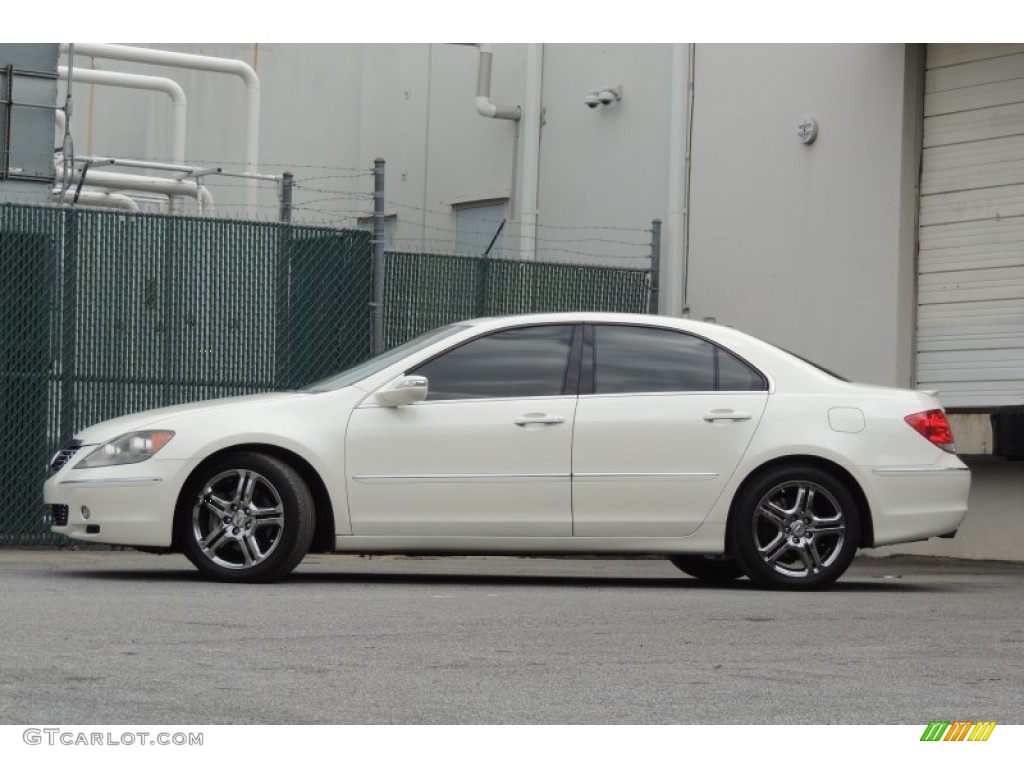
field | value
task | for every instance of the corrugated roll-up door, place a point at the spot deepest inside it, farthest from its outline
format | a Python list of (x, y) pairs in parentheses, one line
[(970, 319)]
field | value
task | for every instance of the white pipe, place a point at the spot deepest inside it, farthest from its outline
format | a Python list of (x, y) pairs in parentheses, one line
[(179, 102), (675, 252), (140, 183), (93, 197), (205, 63), (189, 170), (483, 102), (530, 148)]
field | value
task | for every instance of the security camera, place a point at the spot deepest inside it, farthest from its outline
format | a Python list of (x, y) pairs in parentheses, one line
[(593, 100), (608, 96)]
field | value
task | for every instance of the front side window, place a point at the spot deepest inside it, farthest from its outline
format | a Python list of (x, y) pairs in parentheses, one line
[(640, 359), (377, 364), (520, 362)]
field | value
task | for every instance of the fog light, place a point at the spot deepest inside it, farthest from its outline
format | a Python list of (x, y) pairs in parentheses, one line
[(85, 513)]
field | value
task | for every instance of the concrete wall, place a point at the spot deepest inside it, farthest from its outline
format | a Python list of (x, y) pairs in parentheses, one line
[(418, 114), (802, 243), (603, 169)]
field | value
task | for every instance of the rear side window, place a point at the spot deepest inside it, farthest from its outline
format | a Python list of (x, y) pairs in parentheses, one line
[(641, 359), (520, 362)]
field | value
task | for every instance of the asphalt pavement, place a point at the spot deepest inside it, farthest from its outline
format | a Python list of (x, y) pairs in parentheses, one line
[(109, 637)]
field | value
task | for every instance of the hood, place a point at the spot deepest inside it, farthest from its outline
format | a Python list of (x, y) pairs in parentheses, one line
[(159, 417)]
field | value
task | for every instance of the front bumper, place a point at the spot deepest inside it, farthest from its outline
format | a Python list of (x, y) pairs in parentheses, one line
[(131, 504)]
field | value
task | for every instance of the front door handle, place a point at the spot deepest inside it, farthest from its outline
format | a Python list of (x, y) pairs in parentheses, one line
[(538, 418), (726, 414)]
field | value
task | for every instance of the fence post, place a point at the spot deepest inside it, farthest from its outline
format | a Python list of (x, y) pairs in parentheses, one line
[(287, 184), (284, 370), (69, 307), (377, 244), (655, 280)]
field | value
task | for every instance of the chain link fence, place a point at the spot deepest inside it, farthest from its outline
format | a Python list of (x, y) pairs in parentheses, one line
[(105, 313), (424, 291)]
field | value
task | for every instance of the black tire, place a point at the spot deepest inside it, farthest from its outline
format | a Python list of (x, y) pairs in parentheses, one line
[(717, 570), (795, 527), (246, 517)]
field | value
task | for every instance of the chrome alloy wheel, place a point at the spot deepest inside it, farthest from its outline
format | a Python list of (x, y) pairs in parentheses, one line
[(799, 529), (238, 520)]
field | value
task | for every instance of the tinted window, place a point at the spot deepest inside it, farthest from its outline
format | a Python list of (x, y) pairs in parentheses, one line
[(522, 362), (382, 361), (637, 359), (736, 376), (631, 359)]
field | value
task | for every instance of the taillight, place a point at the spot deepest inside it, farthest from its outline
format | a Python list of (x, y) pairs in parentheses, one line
[(934, 427)]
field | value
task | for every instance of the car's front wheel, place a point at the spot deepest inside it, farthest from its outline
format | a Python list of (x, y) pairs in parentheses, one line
[(246, 517), (795, 527)]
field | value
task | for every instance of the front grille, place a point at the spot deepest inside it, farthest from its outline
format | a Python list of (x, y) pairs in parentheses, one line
[(59, 514), (63, 456)]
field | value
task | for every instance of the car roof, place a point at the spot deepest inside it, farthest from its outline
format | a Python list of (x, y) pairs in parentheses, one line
[(713, 330)]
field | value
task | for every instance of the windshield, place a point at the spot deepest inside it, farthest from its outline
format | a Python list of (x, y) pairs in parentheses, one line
[(380, 362)]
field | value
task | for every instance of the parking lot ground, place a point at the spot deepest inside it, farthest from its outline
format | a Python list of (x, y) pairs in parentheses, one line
[(103, 637)]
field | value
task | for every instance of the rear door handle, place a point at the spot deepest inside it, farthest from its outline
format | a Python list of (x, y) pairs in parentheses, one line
[(538, 418), (726, 414)]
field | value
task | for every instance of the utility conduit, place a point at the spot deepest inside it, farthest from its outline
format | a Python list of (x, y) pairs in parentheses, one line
[(144, 82), (203, 63)]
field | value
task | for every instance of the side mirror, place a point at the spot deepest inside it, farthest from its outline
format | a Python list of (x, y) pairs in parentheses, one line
[(405, 391)]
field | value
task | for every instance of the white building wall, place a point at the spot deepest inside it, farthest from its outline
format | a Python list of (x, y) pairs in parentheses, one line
[(604, 172), (801, 244), (418, 114)]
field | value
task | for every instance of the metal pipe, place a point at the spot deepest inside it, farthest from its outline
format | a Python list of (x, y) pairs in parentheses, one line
[(68, 144), (655, 284), (95, 198), (179, 102), (484, 105), (529, 161), (287, 185), (140, 183), (377, 302), (189, 170), (676, 230), (193, 61)]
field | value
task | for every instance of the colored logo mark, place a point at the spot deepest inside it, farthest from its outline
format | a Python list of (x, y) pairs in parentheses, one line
[(958, 730)]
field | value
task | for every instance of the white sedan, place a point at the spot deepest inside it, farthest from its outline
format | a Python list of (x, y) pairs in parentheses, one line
[(557, 434)]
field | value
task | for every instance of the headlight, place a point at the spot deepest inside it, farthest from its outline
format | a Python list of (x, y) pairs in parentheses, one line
[(127, 449)]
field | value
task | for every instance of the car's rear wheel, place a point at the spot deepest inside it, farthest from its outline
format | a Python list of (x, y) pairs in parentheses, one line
[(795, 527), (715, 569), (246, 517)]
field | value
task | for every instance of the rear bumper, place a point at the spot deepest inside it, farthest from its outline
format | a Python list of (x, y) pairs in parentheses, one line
[(914, 503)]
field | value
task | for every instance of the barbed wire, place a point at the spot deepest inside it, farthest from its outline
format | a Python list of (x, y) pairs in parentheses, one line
[(449, 211), (313, 196)]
